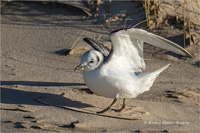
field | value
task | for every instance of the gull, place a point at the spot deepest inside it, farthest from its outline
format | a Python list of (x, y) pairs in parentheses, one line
[(118, 73)]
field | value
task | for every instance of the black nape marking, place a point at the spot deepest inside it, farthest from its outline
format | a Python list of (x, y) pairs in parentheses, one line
[(98, 59)]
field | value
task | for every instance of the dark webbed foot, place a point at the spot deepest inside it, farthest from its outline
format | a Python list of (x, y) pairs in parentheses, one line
[(103, 111), (123, 106), (109, 107)]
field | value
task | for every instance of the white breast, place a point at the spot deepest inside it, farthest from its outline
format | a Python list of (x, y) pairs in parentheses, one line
[(103, 83)]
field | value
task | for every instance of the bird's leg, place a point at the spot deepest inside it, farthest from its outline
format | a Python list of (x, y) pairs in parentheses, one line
[(108, 108), (123, 106)]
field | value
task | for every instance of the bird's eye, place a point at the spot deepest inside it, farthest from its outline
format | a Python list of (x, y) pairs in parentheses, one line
[(91, 61)]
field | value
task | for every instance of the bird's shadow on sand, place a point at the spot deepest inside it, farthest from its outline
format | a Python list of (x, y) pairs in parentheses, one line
[(37, 83), (21, 97)]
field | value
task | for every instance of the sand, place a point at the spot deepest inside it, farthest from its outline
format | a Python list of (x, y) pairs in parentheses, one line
[(40, 92)]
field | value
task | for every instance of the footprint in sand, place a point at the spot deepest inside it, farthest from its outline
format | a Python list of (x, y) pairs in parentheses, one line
[(186, 96)]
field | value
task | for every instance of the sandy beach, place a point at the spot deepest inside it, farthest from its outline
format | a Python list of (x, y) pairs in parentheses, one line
[(40, 92)]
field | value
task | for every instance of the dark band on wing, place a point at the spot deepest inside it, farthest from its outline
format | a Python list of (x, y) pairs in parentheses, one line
[(119, 30), (97, 46)]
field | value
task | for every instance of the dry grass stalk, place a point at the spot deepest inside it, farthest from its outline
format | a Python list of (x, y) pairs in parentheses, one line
[(174, 3), (147, 11), (75, 42), (88, 1), (188, 28), (138, 23), (184, 23), (110, 1)]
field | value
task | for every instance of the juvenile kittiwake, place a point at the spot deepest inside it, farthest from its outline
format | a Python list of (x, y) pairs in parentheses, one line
[(118, 73)]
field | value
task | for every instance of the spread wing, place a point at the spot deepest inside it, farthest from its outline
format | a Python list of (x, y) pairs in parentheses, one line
[(97, 46), (127, 48)]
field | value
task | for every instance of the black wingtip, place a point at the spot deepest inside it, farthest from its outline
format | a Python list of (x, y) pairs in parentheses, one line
[(116, 31), (86, 40), (119, 30)]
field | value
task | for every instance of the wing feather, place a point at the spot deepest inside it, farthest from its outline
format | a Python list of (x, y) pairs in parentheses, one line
[(127, 45), (97, 46)]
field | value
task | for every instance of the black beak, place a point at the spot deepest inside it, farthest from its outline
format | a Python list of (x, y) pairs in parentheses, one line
[(78, 67)]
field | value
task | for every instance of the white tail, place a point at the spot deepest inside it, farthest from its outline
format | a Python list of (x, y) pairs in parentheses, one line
[(147, 79)]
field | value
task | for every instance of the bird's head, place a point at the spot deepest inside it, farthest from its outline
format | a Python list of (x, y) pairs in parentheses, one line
[(90, 60)]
